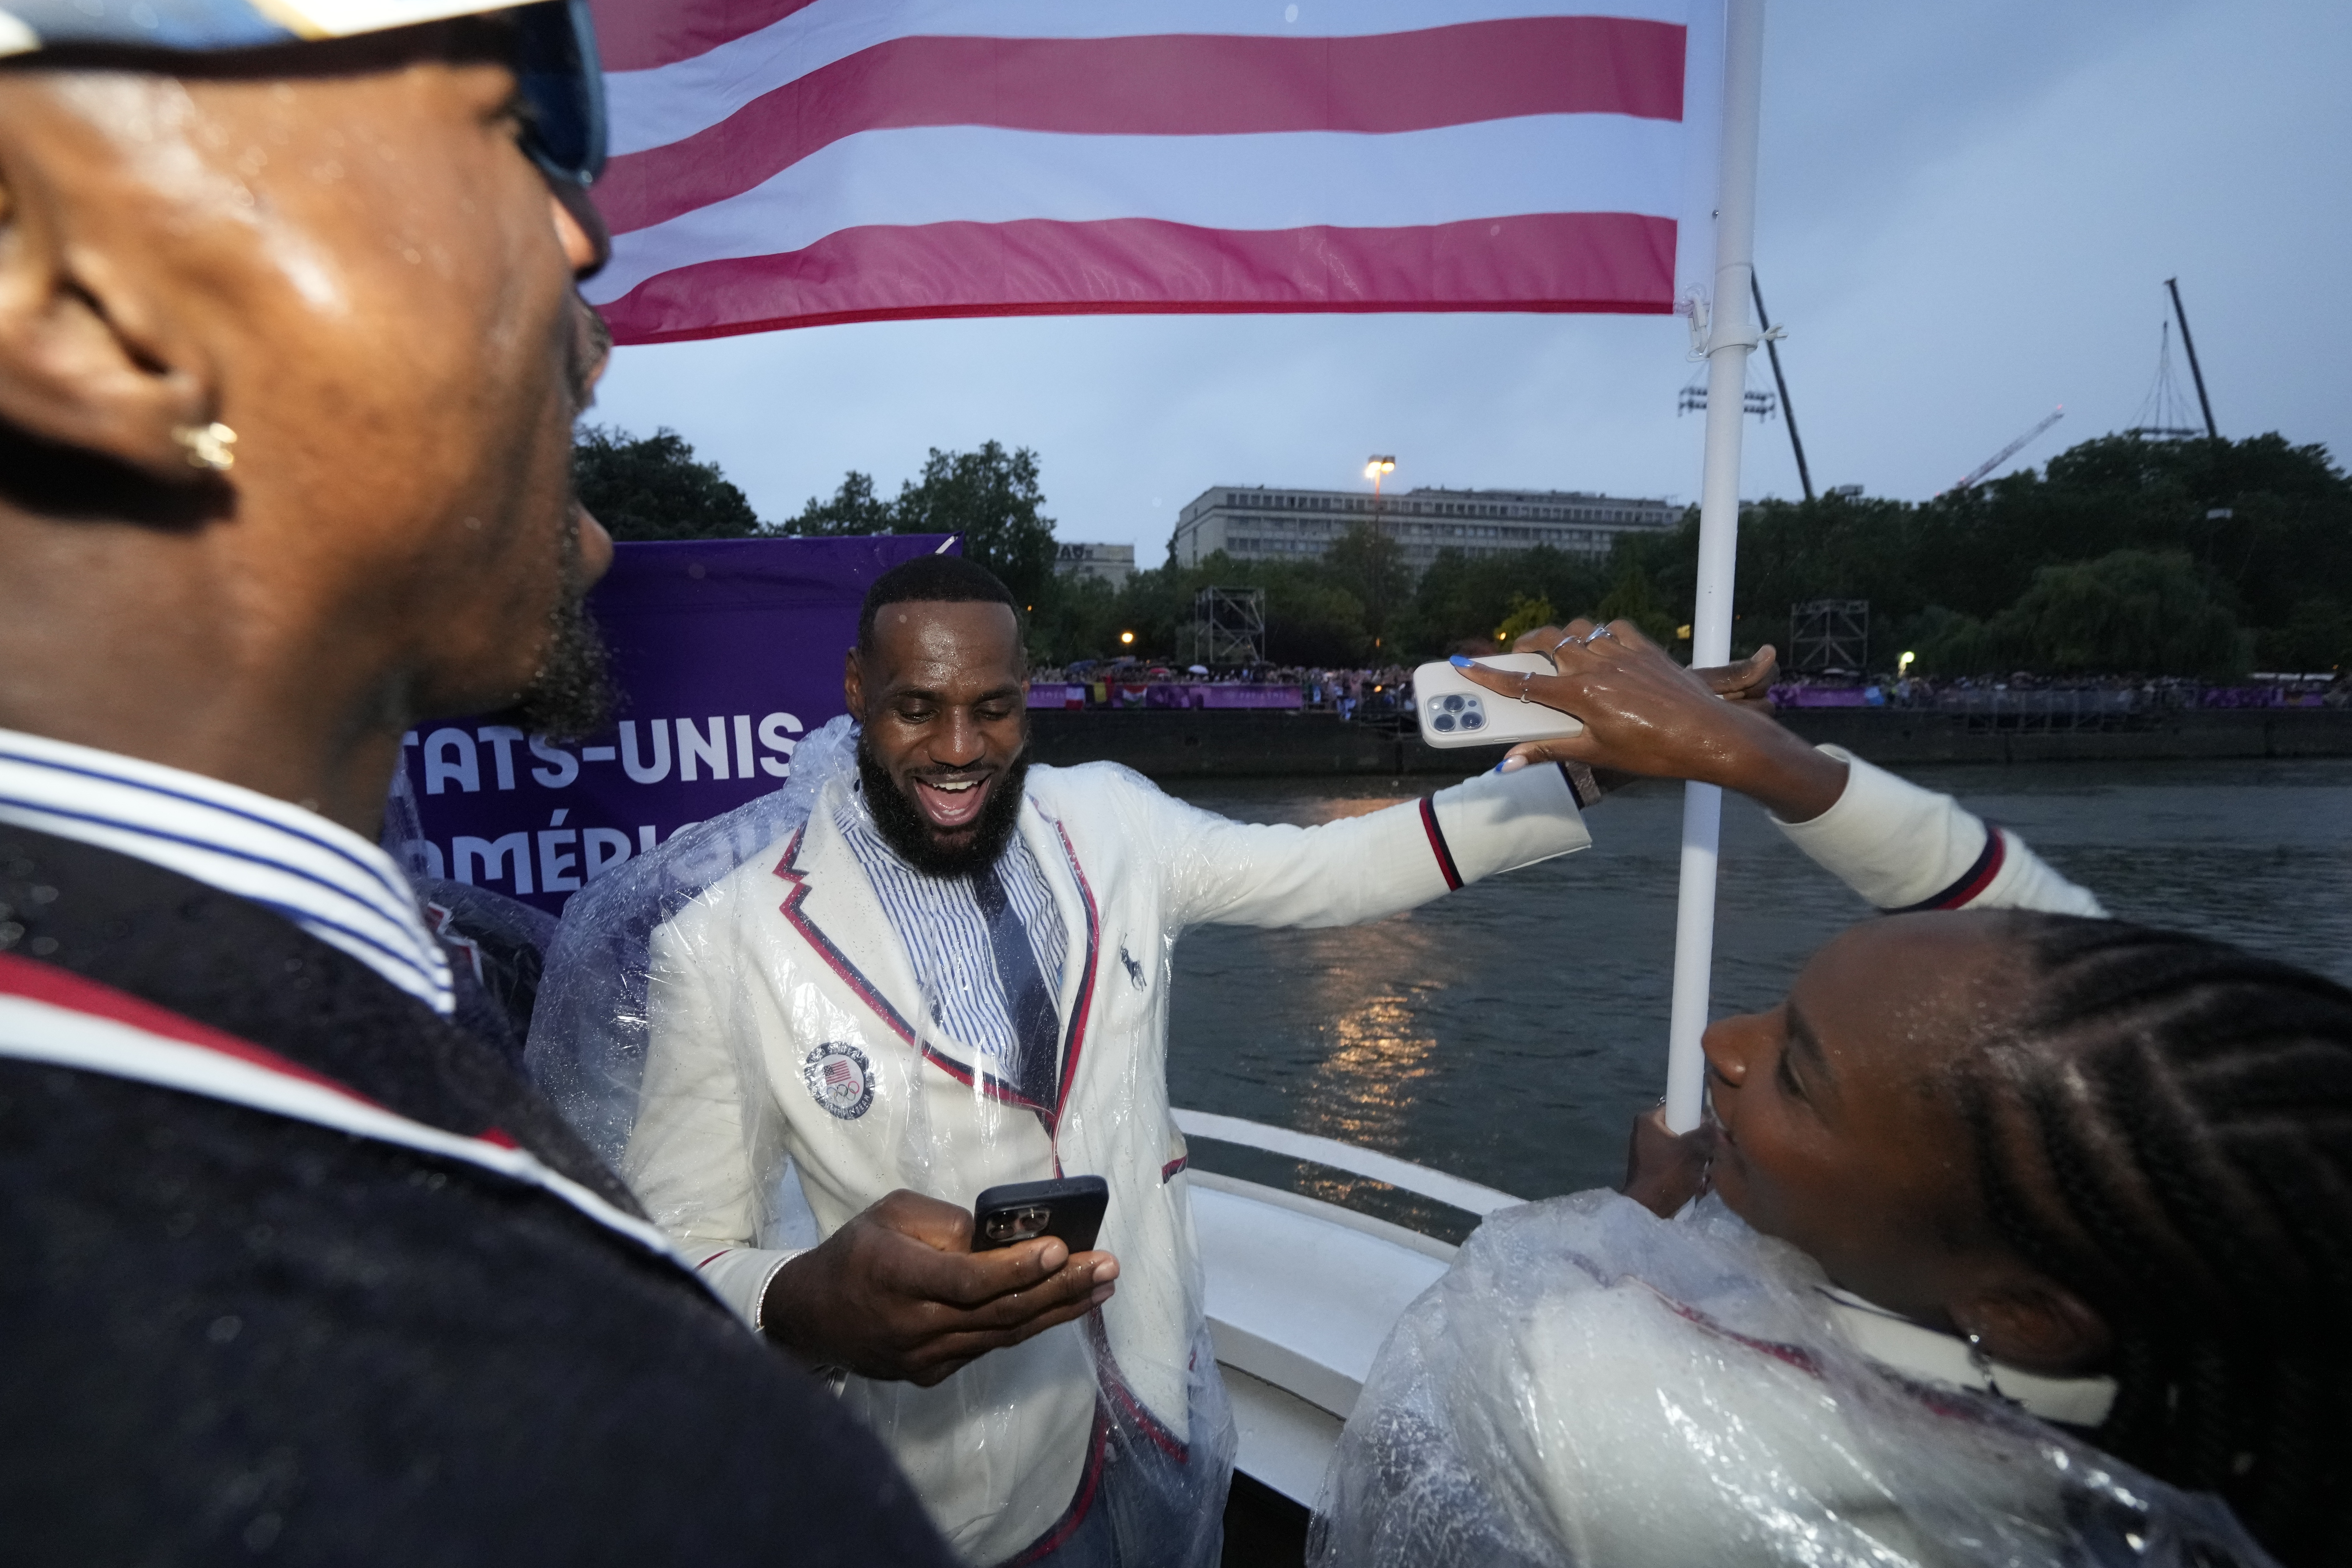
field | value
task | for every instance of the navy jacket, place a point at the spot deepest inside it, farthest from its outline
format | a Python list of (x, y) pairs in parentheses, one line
[(226, 1335)]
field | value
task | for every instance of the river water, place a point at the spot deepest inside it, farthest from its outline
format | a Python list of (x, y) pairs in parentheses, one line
[(1510, 1031)]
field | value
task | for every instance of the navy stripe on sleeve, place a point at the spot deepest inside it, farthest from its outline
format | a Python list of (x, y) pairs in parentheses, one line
[(1437, 842), (1972, 882)]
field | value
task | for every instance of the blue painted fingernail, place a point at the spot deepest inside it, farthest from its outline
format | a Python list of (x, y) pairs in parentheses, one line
[(1459, 661)]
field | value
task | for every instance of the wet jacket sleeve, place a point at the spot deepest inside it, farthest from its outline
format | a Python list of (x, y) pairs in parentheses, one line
[(1359, 868), (1906, 848)]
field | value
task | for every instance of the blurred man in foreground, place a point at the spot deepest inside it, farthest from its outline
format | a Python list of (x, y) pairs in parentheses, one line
[(289, 358)]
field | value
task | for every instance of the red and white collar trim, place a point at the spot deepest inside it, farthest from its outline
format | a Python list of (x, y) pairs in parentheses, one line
[(51, 1014)]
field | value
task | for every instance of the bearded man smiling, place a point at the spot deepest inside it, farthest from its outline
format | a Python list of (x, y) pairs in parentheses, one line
[(947, 971)]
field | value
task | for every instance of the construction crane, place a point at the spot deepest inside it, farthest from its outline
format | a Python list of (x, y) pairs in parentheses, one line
[(2011, 450)]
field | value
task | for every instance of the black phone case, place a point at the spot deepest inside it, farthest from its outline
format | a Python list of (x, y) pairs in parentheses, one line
[(1069, 1208)]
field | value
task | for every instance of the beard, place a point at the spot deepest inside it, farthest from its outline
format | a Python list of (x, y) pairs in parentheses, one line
[(571, 694), (911, 835)]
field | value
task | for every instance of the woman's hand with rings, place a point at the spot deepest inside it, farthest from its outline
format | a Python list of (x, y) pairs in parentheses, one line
[(1644, 714), (1588, 639)]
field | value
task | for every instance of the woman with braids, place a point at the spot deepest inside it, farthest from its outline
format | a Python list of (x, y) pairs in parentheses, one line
[(2029, 1240)]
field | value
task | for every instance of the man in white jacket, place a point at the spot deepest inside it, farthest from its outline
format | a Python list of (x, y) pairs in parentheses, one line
[(948, 971)]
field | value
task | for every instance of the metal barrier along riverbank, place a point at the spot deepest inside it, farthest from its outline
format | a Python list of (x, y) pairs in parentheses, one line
[(1210, 744)]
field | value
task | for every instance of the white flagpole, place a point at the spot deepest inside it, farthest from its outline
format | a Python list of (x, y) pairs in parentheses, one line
[(1732, 335)]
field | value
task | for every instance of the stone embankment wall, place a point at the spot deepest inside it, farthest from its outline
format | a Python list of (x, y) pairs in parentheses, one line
[(1178, 742)]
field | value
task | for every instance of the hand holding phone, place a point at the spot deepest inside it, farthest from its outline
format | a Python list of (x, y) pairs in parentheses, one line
[(1069, 1208), (906, 1290), (1456, 710)]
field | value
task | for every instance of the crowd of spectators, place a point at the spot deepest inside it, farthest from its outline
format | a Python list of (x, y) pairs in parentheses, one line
[(1364, 692), (2027, 690), (1386, 691)]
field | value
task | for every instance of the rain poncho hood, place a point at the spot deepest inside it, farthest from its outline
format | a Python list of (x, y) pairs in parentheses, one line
[(1591, 1385)]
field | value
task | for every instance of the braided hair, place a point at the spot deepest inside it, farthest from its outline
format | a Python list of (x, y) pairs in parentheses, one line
[(2164, 1128)]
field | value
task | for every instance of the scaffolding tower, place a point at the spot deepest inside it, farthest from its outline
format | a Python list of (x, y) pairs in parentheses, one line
[(1229, 626), (1830, 637)]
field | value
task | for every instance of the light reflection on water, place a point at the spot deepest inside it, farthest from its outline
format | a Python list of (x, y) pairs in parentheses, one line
[(1509, 1033)]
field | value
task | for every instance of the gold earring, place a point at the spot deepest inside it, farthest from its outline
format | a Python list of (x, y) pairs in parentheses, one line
[(208, 445)]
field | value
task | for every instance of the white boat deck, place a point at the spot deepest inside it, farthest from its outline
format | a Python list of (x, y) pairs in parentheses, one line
[(1302, 1294)]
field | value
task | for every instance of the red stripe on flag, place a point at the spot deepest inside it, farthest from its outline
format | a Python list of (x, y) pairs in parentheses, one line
[(637, 35), (1548, 262), (1166, 87)]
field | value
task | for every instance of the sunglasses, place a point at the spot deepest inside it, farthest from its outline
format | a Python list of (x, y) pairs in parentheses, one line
[(565, 89)]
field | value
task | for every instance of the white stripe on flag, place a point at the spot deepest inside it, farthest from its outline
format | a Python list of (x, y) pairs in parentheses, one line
[(1501, 168), (668, 103)]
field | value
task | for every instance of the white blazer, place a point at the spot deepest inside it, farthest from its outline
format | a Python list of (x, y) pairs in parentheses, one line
[(785, 1019)]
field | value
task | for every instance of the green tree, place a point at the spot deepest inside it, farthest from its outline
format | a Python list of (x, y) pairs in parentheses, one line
[(653, 489), (1310, 618), (1945, 642), (1524, 616), (1367, 566), (2266, 524), (1633, 598), (1462, 597), (855, 508), (991, 498), (2316, 637), (2129, 612)]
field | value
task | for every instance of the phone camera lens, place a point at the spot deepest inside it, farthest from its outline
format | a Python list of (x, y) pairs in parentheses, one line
[(1473, 721), (1444, 722)]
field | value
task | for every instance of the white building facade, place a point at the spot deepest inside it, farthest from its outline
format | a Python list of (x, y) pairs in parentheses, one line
[(1111, 563), (1263, 524)]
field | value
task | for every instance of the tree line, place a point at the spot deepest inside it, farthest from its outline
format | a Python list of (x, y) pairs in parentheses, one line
[(2123, 555)]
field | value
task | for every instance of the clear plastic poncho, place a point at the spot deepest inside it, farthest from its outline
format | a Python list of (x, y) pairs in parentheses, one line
[(1592, 1386), (731, 1021)]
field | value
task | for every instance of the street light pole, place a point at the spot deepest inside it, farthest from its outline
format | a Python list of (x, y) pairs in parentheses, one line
[(1377, 468)]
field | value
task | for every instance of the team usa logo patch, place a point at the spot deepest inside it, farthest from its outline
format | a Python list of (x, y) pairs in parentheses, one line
[(841, 1078)]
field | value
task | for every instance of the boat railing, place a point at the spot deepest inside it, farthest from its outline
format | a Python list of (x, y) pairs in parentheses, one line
[(1302, 1293), (1418, 1180)]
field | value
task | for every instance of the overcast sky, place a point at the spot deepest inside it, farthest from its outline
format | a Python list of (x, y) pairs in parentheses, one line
[(1966, 216)]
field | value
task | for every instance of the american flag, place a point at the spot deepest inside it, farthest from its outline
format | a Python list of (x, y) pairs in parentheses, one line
[(791, 162)]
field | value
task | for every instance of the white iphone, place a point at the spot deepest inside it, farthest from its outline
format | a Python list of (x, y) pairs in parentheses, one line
[(1456, 712)]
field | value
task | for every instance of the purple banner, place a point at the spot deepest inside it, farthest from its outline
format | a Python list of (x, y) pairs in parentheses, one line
[(1820, 697), (727, 652), (1251, 695), (1056, 694)]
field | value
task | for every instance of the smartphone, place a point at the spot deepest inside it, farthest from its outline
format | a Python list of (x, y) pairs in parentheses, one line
[(1070, 1208), (1456, 710)]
